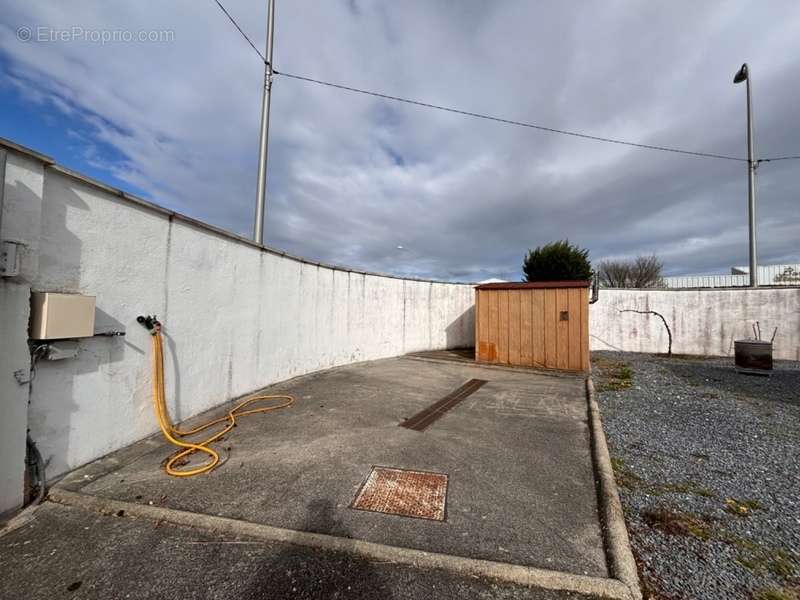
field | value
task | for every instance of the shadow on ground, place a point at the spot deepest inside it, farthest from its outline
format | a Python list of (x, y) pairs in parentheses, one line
[(298, 572), (121, 557)]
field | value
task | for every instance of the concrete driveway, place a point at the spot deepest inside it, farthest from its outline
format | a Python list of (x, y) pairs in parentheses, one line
[(516, 453)]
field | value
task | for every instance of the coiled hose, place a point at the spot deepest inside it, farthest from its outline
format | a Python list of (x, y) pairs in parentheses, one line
[(173, 434)]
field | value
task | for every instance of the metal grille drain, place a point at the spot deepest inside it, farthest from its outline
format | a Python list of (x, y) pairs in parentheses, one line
[(403, 492), (423, 419)]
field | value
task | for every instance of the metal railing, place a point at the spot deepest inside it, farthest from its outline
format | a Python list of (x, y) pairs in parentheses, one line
[(767, 275)]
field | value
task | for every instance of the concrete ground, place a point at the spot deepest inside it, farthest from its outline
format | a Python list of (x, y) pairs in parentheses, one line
[(521, 491), (72, 553)]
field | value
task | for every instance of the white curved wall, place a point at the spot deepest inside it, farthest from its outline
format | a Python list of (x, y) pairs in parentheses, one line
[(703, 321), (237, 317)]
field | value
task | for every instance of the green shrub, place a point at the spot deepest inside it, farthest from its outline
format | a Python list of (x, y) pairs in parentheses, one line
[(557, 261)]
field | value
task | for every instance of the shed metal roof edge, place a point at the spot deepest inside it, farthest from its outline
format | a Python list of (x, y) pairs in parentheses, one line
[(529, 285)]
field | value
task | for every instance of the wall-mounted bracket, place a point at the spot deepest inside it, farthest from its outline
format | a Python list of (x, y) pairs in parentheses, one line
[(9, 259), (61, 349)]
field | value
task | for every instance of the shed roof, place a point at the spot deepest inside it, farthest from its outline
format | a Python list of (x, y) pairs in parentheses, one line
[(527, 285)]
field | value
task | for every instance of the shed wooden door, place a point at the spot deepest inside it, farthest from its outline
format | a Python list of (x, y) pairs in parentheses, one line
[(546, 327)]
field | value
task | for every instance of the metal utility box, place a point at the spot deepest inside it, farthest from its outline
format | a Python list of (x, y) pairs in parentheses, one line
[(537, 324), (57, 316)]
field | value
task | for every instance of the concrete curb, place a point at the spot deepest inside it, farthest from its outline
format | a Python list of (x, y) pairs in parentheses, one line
[(618, 547), (509, 573), (25, 516)]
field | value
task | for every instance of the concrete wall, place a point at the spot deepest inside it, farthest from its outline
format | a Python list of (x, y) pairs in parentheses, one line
[(702, 321), (237, 317), (19, 222)]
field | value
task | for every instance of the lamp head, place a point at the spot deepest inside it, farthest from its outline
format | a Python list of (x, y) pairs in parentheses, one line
[(741, 75)]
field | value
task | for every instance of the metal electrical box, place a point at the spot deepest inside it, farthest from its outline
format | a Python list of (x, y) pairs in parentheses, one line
[(61, 316)]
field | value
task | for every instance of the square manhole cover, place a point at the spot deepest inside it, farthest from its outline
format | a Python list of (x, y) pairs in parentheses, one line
[(402, 492)]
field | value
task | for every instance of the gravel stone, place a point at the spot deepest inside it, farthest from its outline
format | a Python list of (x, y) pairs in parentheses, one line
[(693, 436)]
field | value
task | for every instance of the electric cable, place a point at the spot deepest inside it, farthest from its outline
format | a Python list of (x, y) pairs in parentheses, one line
[(508, 121), (778, 158), (173, 434), (486, 117), (244, 35), (33, 457), (35, 462)]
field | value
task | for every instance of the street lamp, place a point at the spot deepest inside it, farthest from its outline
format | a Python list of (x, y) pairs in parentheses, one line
[(744, 75)]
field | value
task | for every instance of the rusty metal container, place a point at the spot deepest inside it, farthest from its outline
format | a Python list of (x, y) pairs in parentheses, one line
[(753, 356)]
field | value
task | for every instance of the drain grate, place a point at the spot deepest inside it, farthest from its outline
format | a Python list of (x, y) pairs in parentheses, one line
[(402, 492), (424, 418)]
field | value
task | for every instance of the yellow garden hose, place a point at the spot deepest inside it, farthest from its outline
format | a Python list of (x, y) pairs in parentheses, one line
[(172, 434)]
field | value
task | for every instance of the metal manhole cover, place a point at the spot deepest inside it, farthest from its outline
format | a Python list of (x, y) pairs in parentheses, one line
[(402, 492)]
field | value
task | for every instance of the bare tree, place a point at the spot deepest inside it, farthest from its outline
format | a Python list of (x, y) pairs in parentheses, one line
[(614, 273), (646, 272), (642, 272)]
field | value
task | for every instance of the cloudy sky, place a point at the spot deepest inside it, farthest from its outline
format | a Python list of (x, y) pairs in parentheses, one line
[(353, 177)]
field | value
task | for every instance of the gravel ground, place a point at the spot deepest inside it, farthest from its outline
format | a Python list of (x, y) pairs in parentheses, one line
[(706, 462)]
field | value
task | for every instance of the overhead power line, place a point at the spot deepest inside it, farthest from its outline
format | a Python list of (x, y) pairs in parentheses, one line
[(509, 121), (778, 158), (486, 117), (244, 35)]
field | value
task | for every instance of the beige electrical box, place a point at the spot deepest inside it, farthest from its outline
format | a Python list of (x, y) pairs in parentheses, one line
[(61, 316)]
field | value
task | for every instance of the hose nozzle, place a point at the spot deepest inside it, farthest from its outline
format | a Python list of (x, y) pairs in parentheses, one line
[(151, 323)]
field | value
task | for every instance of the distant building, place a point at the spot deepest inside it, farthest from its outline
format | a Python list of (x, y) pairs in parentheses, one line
[(492, 280), (740, 276)]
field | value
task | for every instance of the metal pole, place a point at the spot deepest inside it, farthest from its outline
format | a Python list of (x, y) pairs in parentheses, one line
[(263, 147), (3, 157), (751, 188)]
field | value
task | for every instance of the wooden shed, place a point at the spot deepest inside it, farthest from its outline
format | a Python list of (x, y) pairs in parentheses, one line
[(538, 324)]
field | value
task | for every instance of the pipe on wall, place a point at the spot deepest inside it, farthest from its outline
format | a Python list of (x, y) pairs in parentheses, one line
[(595, 289)]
